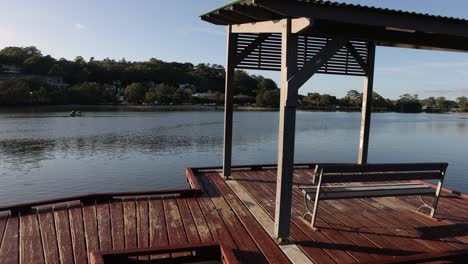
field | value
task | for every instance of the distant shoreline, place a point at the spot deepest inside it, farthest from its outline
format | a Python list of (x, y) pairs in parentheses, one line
[(182, 108)]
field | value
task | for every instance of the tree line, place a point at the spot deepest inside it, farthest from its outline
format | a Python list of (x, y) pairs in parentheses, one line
[(406, 103), (155, 81), (90, 81)]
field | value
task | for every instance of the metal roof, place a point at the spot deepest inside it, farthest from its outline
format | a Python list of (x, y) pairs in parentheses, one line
[(385, 27), (232, 3)]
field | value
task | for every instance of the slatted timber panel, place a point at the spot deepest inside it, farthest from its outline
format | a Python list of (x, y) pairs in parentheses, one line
[(267, 55)]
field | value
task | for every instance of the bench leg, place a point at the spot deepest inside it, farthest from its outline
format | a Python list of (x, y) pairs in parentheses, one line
[(424, 205), (314, 214), (307, 213), (437, 195)]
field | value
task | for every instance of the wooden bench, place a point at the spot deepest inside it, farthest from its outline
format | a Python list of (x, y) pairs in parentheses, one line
[(373, 176)]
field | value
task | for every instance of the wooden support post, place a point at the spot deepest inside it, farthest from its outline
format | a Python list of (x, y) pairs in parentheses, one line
[(287, 123), (367, 106), (228, 101)]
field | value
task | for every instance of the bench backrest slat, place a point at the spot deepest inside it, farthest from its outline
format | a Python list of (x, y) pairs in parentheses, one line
[(378, 177), (349, 168)]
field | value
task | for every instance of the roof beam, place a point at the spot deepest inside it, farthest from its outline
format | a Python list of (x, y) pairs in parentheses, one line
[(409, 22), (274, 26), (255, 12), (228, 14), (390, 38)]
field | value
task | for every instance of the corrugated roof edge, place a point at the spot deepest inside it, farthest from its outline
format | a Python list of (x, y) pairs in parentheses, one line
[(347, 5), (230, 3), (380, 9)]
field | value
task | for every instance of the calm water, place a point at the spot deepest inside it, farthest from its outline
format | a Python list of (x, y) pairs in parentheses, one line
[(47, 154)]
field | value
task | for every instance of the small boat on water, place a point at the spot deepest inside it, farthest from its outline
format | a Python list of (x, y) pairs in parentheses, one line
[(75, 113)]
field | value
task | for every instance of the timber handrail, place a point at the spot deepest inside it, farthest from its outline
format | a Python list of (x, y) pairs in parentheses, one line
[(456, 256), (261, 167), (203, 251), (97, 197)]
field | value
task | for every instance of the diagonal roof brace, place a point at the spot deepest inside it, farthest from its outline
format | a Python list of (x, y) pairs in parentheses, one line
[(358, 57), (314, 65), (251, 47)]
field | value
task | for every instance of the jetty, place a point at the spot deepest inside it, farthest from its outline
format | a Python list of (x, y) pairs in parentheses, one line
[(230, 221), (374, 213)]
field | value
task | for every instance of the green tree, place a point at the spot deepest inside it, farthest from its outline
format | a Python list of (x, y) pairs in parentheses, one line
[(264, 83), (37, 64), (408, 104), (429, 102), (312, 100), (135, 93), (244, 83), (17, 55), (379, 102), (441, 102), (268, 98), (463, 103), (15, 92), (353, 98), (56, 70), (182, 95), (151, 95), (41, 96), (164, 93)]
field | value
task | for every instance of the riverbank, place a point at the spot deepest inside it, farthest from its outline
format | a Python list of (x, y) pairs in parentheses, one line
[(115, 108), (187, 107)]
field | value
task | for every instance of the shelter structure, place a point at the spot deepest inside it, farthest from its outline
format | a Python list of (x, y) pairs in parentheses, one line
[(301, 38)]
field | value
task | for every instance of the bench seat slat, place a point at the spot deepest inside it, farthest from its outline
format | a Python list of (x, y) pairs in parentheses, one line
[(369, 191)]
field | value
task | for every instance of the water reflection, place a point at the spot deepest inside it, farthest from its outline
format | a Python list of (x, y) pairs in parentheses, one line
[(46, 154)]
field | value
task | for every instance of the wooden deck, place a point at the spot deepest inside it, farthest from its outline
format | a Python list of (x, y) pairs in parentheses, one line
[(238, 213)]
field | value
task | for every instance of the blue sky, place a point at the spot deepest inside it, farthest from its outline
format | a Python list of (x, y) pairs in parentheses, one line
[(171, 30)]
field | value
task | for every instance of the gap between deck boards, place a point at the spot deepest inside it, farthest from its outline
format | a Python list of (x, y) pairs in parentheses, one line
[(292, 251)]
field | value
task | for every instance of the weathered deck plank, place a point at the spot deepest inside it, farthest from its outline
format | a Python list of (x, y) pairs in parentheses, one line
[(129, 209), (78, 235), (187, 219), (3, 223), (49, 238), (200, 222), (117, 225), (142, 225), (158, 236), (175, 226), (64, 242), (104, 226), (30, 240), (90, 228), (9, 252)]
